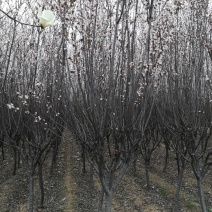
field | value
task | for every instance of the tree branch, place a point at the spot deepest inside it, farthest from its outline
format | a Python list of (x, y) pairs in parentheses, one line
[(17, 20)]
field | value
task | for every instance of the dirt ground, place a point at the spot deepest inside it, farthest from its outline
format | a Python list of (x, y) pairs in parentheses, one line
[(69, 190)]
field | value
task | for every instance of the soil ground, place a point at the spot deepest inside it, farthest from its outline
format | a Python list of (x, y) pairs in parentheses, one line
[(69, 190)]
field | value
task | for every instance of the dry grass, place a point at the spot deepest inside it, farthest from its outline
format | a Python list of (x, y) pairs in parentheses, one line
[(68, 179)]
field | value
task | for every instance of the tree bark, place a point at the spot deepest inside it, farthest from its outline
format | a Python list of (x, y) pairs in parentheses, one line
[(198, 174), (2, 148), (19, 160), (108, 202), (147, 162), (201, 194), (177, 194), (54, 156), (15, 161), (41, 184), (166, 157), (101, 199), (134, 166), (83, 160), (91, 180)]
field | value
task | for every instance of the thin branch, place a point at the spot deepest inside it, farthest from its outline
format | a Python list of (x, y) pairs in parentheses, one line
[(17, 20)]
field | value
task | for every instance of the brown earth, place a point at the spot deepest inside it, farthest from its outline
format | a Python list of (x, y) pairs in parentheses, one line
[(69, 190)]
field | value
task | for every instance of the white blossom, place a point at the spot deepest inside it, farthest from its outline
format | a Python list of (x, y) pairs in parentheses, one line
[(46, 18), (10, 106)]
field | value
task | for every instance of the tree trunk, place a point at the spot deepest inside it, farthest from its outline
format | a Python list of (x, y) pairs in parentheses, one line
[(147, 162), (2, 150), (31, 189), (166, 157), (178, 163), (134, 166), (198, 174), (56, 148), (108, 202), (41, 185), (2, 135), (201, 194), (52, 162), (91, 181), (83, 160), (15, 161), (101, 199), (19, 159), (108, 146), (177, 194), (54, 156)]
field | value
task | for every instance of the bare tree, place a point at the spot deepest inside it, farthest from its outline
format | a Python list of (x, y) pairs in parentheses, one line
[(112, 97)]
